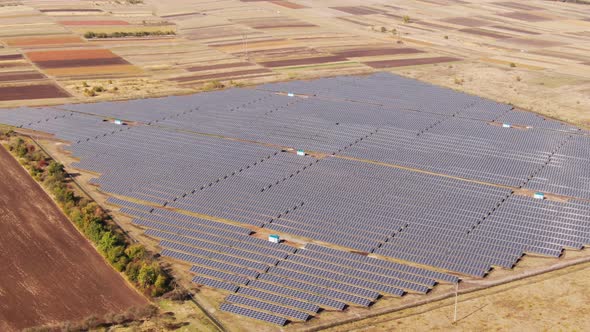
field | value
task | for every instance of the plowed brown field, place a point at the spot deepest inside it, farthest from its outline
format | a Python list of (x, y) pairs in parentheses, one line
[(49, 271), (40, 91), (70, 55)]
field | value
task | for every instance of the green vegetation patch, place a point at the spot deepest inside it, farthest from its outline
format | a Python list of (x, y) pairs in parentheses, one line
[(131, 259)]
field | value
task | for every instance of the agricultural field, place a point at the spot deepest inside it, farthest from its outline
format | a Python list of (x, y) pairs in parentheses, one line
[(50, 272), (506, 51)]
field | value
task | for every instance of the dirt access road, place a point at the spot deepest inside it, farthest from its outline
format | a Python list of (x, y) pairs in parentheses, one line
[(49, 272)]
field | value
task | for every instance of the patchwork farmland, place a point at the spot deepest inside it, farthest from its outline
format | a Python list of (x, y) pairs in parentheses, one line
[(506, 51), (50, 272), (402, 191)]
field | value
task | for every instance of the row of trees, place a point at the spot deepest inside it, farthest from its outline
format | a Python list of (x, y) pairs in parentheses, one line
[(121, 34), (132, 259)]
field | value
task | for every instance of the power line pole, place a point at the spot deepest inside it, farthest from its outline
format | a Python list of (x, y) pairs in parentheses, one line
[(245, 45), (456, 301)]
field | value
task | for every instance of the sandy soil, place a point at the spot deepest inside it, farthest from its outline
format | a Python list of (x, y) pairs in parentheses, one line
[(49, 271)]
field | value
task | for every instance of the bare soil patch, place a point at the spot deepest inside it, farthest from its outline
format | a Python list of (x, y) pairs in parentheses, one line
[(80, 63), (356, 53), (219, 66), (40, 91), (20, 76), (49, 271), (221, 75), (39, 56), (6, 57)]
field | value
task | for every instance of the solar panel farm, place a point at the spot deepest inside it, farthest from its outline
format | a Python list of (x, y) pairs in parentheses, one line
[(294, 165)]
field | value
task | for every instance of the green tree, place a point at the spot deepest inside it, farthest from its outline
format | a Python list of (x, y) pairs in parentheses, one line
[(135, 251), (147, 275)]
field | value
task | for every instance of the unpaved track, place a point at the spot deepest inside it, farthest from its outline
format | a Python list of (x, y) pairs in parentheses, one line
[(48, 271)]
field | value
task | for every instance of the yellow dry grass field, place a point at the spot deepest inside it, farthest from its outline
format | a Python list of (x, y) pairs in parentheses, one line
[(517, 306)]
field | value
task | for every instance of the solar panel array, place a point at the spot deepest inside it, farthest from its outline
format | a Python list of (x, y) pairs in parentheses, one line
[(396, 168)]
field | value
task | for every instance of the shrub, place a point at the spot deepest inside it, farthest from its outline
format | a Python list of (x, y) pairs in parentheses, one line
[(123, 34), (406, 19), (213, 85), (133, 260), (89, 92)]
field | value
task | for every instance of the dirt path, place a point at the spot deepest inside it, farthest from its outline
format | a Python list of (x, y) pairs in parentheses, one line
[(49, 271)]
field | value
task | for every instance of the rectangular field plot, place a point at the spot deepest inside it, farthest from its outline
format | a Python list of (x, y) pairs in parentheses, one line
[(381, 185), (38, 91)]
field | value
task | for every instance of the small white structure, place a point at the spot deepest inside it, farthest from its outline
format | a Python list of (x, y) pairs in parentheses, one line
[(539, 195), (506, 125), (291, 94), (274, 238), (300, 153), (118, 122)]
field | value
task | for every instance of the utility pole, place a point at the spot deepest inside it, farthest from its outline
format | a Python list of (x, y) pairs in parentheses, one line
[(245, 45), (456, 301)]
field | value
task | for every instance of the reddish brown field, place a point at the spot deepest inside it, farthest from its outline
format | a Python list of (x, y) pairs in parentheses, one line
[(35, 41), (70, 55), (347, 19), (220, 66), (80, 63), (10, 57), (409, 62), (304, 61), (288, 4), (12, 64), (221, 75), (49, 272), (93, 23), (41, 91), (20, 76), (356, 53)]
